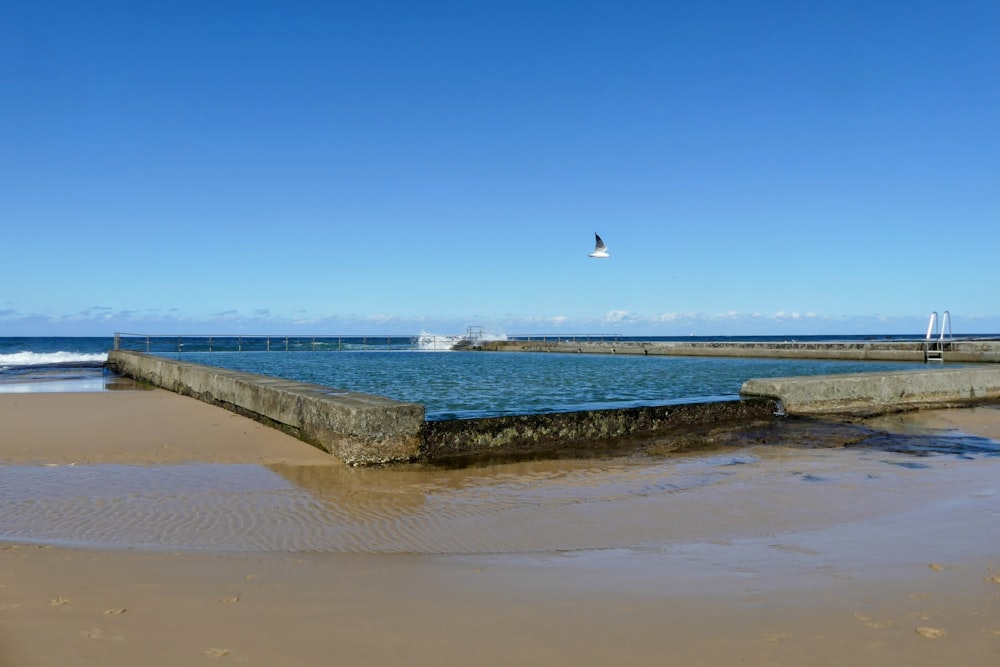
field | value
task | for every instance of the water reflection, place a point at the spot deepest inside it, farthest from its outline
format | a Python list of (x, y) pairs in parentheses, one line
[(62, 379), (783, 480)]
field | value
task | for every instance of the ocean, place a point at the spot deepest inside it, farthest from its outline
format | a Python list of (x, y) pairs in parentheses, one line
[(450, 384), (53, 364)]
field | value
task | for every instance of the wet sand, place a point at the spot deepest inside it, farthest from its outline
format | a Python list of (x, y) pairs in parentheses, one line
[(141, 527)]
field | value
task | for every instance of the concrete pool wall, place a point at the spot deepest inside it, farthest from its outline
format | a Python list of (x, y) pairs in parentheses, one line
[(364, 429)]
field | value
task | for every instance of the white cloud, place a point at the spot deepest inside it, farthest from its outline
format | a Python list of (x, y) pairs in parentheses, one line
[(98, 321), (664, 318), (615, 316)]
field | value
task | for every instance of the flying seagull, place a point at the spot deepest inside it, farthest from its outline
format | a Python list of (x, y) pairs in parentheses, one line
[(600, 250)]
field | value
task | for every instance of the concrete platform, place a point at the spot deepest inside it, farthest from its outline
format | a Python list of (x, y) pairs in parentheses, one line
[(872, 393), (954, 351)]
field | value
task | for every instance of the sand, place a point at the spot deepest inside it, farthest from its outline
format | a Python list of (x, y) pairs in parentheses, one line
[(853, 558)]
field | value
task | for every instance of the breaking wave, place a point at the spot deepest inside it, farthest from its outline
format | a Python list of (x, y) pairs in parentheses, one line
[(34, 359), (440, 343)]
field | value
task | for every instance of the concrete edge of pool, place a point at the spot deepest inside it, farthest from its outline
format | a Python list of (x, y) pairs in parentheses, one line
[(364, 429), (967, 350)]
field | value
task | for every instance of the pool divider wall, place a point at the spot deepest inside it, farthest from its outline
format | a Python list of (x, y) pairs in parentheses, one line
[(586, 431), (872, 393)]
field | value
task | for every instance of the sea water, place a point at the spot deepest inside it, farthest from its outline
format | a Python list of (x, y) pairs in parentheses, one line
[(481, 384), (450, 385), (42, 364)]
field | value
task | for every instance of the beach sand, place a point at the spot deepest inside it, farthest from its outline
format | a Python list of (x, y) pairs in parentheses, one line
[(857, 558)]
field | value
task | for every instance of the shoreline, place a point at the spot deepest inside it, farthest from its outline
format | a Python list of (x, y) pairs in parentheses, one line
[(852, 570)]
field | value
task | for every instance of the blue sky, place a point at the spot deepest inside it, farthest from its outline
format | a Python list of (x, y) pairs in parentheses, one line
[(755, 167)]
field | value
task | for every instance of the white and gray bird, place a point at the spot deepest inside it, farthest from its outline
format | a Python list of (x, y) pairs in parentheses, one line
[(600, 250)]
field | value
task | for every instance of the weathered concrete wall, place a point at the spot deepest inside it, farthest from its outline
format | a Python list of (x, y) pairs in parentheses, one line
[(356, 428), (970, 351), (364, 429), (867, 393), (584, 431)]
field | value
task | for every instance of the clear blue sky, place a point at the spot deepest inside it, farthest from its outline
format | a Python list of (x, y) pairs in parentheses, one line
[(755, 166)]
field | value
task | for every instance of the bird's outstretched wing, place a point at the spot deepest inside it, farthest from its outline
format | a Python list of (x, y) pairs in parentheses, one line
[(600, 250)]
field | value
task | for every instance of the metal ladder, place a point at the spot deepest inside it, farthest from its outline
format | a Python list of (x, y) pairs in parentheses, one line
[(934, 349)]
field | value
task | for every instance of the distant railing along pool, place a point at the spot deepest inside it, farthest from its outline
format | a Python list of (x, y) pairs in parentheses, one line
[(158, 343)]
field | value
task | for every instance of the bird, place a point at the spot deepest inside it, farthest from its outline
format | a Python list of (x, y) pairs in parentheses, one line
[(600, 250)]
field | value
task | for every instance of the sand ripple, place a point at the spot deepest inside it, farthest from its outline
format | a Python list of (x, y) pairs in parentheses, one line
[(516, 508)]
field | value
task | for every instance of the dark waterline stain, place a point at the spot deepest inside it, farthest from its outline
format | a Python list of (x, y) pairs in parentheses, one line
[(957, 445), (912, 465)]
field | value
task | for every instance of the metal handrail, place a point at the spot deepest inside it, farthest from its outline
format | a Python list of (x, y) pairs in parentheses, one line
[(172, 342), (265, 342), (945, 324), (930, 325), (566, 337)]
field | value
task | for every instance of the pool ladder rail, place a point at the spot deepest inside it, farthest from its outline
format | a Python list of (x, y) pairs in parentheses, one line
[(934, 347)]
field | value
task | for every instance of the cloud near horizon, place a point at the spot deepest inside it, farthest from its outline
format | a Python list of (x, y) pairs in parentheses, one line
[(102, 321)]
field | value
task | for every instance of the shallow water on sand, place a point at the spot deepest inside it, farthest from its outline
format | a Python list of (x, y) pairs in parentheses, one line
[(540, 506), (60, 379)]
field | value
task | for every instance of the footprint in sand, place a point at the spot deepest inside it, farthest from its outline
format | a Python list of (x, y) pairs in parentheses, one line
[(117, 611), (930, 633), (229, 600), (59, 602), (871, 622), (216, 652)]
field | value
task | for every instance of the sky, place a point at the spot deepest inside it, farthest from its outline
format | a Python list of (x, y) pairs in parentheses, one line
[(754, 166)]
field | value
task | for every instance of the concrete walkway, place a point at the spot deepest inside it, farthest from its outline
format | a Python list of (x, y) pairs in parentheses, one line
[(870, 393), (954, 351)]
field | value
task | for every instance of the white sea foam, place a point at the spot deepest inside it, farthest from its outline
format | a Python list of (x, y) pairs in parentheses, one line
[(436, 342), (21, 359), (441, 343)]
